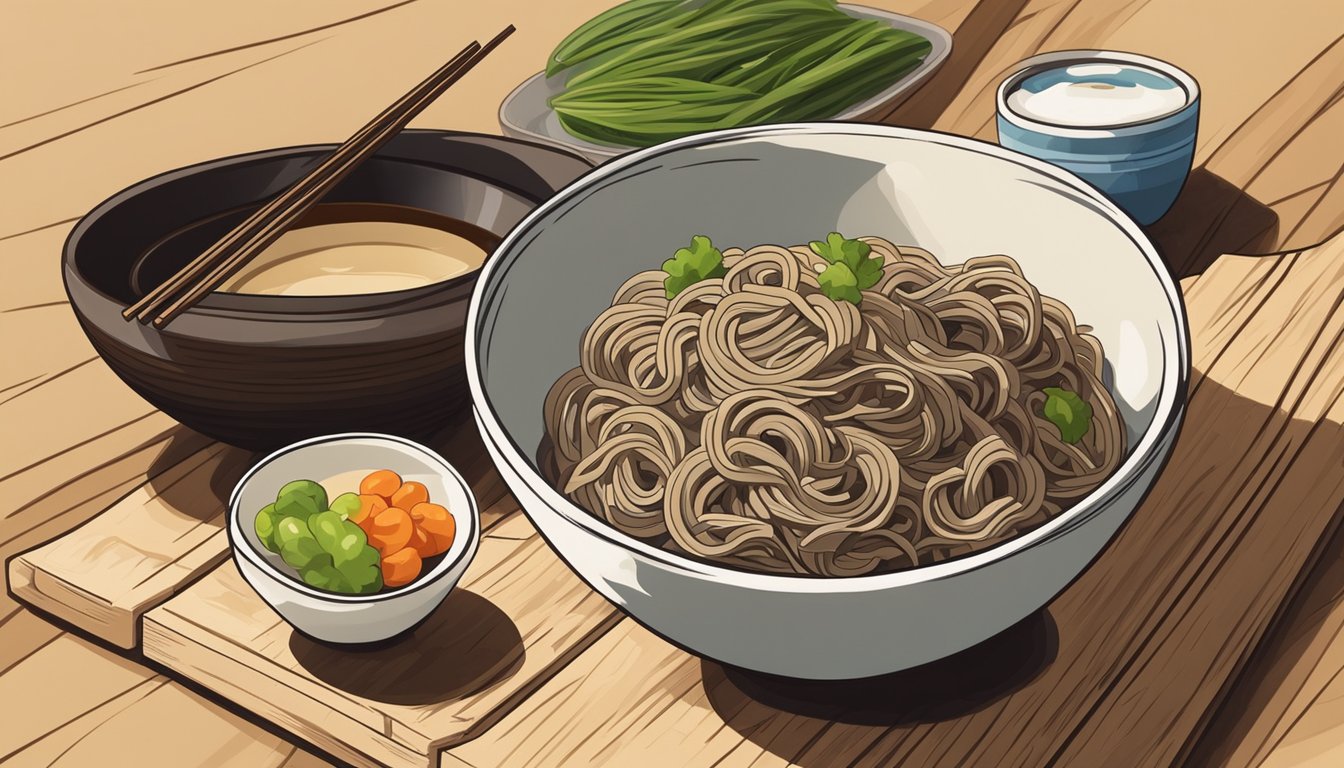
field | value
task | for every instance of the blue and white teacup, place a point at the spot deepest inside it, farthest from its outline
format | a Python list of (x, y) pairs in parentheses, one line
[(1122, 122)]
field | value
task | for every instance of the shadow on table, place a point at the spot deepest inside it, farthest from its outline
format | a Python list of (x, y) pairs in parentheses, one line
[(463, 647), (460, 443), (203, 483), (945, 689), (1210, 218)]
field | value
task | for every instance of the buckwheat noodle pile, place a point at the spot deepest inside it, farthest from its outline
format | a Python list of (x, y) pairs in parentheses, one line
[(753, 422)]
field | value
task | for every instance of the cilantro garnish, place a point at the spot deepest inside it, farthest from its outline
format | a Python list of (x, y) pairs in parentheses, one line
[(688, 266), (852, 267), (838, 283), (1067, 411)]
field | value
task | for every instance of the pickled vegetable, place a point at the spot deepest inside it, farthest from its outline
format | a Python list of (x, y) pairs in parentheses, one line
[(358, 543), (383, 483), (409, 494), (401, 567), (265, 527), (422, 543), (314, 491), (369, 507), (390, 530), (304, 552), (352, 545), (327, 529), (347, 505), (437, 523), (300, 505)]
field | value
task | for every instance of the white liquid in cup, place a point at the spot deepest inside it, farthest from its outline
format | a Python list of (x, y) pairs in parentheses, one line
[(1100, 94)]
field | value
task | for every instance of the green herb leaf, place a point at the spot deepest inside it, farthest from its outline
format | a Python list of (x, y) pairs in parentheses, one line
[(1067, 411), (864, 269), (839, 250), (688, 266), (838, 282), (869, 272)]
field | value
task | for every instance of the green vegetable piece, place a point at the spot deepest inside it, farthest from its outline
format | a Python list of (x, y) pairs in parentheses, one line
[(345, 505), (651, 70), (853, 267), (838, 283), (367, 557), (363, 570), (351, 545), (627, 22), (265, 527), (291, 528), (303, 552), (855, 254), (312, 490), (299, 505), (1067, 411), (327, 577), (688, 266), (328, 529), (374, 585)]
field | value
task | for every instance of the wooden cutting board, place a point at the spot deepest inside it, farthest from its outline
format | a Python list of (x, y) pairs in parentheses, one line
[(516, 619)]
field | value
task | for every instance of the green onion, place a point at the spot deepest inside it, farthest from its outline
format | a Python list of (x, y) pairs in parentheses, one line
[(647, 110), (722, 32), (652, 70), (612, 29)]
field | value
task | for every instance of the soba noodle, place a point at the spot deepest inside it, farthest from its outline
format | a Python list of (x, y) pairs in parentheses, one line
[(753, 422)]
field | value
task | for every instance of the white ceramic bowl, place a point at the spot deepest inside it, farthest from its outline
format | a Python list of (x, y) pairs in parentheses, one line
[(350, 618), (956, 197)]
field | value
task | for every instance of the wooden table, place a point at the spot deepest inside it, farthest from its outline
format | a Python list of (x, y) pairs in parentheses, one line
[(1211, 631)]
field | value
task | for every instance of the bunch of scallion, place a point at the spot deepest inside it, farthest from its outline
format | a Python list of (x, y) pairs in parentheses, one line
[(651, 70)]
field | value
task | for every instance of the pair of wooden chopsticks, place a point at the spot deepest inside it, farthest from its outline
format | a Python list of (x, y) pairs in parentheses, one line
[(223, 259)]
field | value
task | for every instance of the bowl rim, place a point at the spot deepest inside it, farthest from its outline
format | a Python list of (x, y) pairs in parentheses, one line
[(1053, 59), (469, 533), (1146, 451), (404, 148)]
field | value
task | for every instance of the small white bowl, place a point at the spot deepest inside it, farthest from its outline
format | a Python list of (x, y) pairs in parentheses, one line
[(350, 618)]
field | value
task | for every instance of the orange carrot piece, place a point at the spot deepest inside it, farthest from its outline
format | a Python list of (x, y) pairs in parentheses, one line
[(436, 521), (422, 542), (401, 567), (369, 507), (383, 483), (409, 494), (391, 530)]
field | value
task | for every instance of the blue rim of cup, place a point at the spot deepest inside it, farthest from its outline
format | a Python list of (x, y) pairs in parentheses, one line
[(1055, 59)]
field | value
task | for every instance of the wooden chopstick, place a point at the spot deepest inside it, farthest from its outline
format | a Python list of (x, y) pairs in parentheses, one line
[(257, 232), (243, 232)]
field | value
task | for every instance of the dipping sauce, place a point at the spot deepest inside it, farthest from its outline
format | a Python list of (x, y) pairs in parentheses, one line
[(357, 257), (349, 249), (1097, 94)]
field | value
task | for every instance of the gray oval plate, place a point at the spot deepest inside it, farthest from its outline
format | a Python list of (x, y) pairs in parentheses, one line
[(525, 115)]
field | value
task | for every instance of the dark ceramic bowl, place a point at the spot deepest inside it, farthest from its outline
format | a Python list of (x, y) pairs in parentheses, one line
[(259, 371)]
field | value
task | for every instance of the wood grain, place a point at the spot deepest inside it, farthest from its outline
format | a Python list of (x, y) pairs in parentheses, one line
[(1267, 163), (1143, 642), (110, 94), (518, 617), (1288, 707), (103, 575)]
